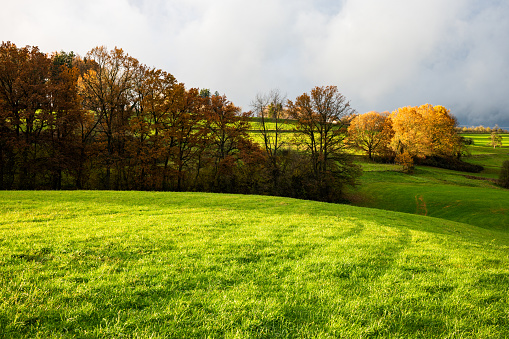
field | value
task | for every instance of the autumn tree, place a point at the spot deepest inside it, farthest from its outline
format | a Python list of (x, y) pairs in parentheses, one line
[(138, 148), (371, 132), (106, 91), (440, 127), (153, 88), (495, 139), (227, 130), (63, 131), (185, 134), (428, 134), (10, 105), (26, 110), (409, 132), (36, 115), (321, 131), (425, 131), (270, 110)]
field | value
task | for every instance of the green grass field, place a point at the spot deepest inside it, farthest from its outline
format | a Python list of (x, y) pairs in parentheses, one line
[(483, 154), (435, 192), (99, 264), (286, 127), (464, 197), (180, 265)]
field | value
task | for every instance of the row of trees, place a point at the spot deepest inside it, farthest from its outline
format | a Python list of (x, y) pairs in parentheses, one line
[(106, 121), (314, 162), (482, 129)]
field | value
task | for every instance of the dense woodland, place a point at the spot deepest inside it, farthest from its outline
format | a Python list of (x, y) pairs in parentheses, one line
[(107, 121)]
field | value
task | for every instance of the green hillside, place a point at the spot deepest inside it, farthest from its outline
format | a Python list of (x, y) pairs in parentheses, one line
[(434, 192), (472, 198), (174, 265), (483, 154)]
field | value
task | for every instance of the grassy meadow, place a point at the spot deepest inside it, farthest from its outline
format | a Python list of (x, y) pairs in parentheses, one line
[(177, 265), (102, 264), (483, 154), (434, 192), (286, 127), (472, 198)]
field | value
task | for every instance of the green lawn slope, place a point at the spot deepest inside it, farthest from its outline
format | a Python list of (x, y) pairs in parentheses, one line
[(183, 265), (483, 154), (472, 198), (435, 192)]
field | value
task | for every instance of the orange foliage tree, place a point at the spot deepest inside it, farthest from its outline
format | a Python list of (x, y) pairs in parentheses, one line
[(148, 146), (37, 106), (184, 137), (227, 134), (409, 132), (107, 90), (440, 126), (371, 132), (321, 131), (427, 134), (425, 131), (66, 116), (12, 59)]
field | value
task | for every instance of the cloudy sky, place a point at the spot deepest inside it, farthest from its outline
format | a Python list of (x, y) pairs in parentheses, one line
[(381, 54)]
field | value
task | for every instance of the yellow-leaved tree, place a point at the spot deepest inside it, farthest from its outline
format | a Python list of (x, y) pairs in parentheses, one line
[(425, 131), (410, 134), (371, 132), (440, 127)]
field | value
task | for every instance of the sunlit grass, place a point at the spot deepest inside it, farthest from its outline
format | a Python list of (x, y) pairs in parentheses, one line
[(481, 153), (484, 139), (141, 264), (452, 195)]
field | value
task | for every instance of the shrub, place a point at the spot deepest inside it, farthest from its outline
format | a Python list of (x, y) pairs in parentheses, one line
[(450, 163), (503, 178), (406, 160), (467, 141)]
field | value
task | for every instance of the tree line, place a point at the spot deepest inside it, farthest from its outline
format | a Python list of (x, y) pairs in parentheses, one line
[(482, 129), (107, 121)]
